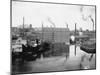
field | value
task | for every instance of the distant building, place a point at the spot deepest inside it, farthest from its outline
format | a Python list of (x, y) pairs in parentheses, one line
[(47, 33), (55, 34)]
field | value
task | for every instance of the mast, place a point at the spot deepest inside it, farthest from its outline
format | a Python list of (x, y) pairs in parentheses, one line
[(75, 39)]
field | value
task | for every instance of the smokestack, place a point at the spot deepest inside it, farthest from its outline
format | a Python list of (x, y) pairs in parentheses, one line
[(23, 22), (30, 26)]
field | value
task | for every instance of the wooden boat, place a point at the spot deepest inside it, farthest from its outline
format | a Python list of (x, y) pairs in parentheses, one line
[(89, 46)]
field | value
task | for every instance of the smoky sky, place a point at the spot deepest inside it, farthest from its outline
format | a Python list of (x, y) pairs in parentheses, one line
[(52, 14)]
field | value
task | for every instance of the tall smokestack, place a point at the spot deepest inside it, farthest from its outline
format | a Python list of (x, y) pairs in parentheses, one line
[(23, 22), (42, 32)]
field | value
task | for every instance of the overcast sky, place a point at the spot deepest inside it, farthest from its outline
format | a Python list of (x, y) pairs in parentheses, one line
[(59, 14)]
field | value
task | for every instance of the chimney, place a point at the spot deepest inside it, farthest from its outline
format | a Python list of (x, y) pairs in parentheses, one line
[(30, 26)]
